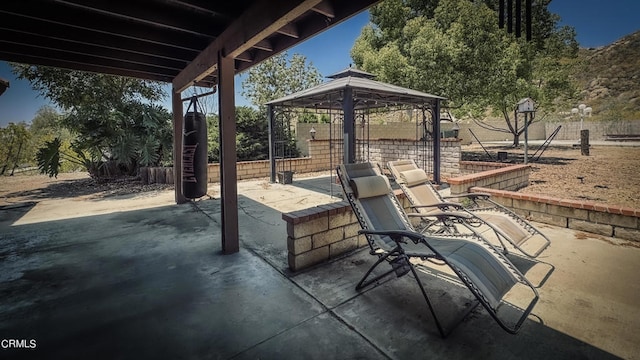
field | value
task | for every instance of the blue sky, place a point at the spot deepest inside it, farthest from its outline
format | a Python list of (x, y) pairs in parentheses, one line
[(597, 23)]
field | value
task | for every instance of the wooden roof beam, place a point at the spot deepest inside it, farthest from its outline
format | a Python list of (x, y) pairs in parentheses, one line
[(290, 30), (260, 21), (245, 56), (308, 26), (264, 45), (325, 8), (163, 15), (40, 59), (49, 32)]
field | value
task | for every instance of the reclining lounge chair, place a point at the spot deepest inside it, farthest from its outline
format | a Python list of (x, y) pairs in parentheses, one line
[(478, 265), (502, 222)]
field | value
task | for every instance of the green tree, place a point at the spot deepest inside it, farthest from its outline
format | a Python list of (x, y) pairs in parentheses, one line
[(47, 126), (213, 138), (14, 140), (252, 137), (115, 120), (455, 49), (279, 76), (252, 140)]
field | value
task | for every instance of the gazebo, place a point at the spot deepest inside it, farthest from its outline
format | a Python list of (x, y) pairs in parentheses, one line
[(351, 94)]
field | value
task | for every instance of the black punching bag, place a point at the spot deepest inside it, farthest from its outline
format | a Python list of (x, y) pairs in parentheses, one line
[(194, 155)]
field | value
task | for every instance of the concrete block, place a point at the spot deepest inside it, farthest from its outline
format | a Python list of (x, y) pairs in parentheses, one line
[(362, 241), (521, 212), (549, 219), (343, 246), (613, 219), (298, 246), (309, 227), (627, 234), (569, 212), (351, 230), (304, 260), (327, 237), (504, 201), (530, 205), (341, 219), (586, 226)]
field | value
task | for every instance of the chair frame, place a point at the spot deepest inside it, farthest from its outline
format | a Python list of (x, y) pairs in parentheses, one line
[(480, 202), (399, 259)]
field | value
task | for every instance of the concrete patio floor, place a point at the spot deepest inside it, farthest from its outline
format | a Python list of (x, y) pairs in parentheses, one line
[(139, 277)]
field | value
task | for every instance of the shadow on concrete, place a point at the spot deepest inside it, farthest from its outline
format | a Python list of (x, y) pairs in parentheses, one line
[(322, 184), (152, 283), (514, 157), (61, 189), (268, 232)]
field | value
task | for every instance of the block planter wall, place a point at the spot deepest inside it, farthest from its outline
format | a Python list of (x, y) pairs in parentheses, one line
[(384, 150), (323, 232), (608, 220), (473, 167), (512, 177), (320, 159)]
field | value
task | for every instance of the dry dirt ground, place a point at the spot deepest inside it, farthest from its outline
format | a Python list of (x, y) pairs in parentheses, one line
[(24, 188), (609, 175)]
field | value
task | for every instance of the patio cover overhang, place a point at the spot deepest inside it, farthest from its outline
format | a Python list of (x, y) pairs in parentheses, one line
[(351, 90), (185, 42)]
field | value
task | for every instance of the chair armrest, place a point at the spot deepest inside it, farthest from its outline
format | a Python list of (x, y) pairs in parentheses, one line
[(469, 195), (444, 214), (396, 235), (440, 205)]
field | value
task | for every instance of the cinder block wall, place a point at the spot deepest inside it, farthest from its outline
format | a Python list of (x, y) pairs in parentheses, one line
[(608, 220), (318, 234), (597, 129), (323, 157), (323, 232), (472, 167), (385, 150), (320, 155), (318, 161), (511, 177)]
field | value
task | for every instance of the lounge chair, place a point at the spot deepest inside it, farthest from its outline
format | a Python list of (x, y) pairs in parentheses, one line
[(477, 264), (502, 222)]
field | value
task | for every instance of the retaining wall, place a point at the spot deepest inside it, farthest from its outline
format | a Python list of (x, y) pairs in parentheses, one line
[(384, 150), (512, 177), (320, 159), (597, 129), (608, 220), (473, 167)]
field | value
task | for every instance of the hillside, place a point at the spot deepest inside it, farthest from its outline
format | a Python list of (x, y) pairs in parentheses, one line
[(609, 77)]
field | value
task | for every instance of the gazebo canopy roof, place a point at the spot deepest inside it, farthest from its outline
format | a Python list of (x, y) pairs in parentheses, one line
[(367, 93)]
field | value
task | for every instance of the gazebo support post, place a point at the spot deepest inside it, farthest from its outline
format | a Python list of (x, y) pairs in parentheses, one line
[(349, 126), (272, 157), (436, 141), (228, 171)]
